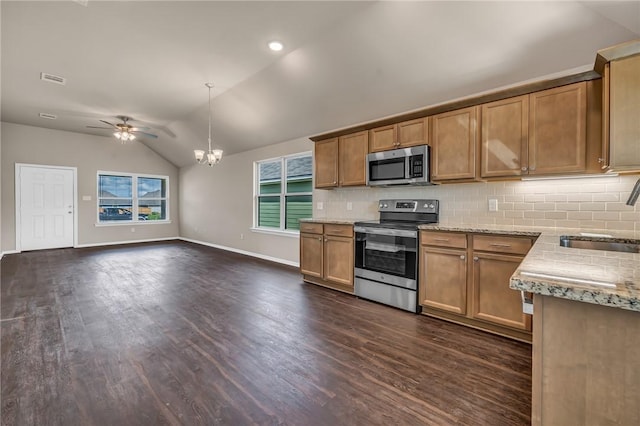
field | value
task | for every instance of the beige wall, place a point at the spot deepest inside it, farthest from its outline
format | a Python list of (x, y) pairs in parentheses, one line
[(35, 145), (216, 204), (590, 203)]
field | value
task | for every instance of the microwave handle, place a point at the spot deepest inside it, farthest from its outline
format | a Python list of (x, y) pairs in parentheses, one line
[(407, 167)]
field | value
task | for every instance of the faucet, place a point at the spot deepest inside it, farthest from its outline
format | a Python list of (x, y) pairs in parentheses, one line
[(633, 197)]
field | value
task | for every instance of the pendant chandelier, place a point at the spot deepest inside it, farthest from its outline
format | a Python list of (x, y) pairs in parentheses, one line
[(213, 156)]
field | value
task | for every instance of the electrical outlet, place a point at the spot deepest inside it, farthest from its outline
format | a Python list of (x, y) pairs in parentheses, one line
[(349, 205), (319, 205), (493, 204), (133, 229), (242, 236)]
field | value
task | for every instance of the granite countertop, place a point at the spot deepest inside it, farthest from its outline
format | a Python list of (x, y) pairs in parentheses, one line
[(593, 276), (332, 221)]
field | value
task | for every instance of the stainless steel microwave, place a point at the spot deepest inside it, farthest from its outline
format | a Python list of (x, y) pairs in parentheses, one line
[(405, 166)]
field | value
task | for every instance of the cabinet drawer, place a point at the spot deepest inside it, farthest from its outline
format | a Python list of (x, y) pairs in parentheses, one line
[(311, 228), (443, 239), (338, 230), (499, 244)]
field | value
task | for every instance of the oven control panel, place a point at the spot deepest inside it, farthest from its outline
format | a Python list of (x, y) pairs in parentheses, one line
[(419, 206)]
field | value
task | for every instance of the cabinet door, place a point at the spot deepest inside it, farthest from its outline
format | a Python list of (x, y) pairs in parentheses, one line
[(443, 279), (413, 133), (338, 259), (326, 163), (557, 130), (505, 134), (625, 113), (353, 157), (454, 140), (383, 138), (311, 254), (492, 299)]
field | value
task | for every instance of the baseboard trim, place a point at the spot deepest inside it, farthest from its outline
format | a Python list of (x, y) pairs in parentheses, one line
[(117, 243), (8, 252), (247, 253)]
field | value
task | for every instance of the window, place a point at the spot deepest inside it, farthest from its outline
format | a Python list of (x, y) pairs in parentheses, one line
[(283, 192), (130, 198)]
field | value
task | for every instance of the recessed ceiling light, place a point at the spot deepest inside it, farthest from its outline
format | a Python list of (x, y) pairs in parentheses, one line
[(276, 46)]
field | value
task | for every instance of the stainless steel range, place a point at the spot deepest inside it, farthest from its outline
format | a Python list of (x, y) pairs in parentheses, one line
[(386, 258)]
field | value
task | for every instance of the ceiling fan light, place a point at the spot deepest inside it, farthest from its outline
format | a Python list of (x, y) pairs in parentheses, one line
[(117, 135), (217, 153), (199, 154), (131, 136)]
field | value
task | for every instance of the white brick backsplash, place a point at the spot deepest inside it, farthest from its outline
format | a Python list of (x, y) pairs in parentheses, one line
[(514, 214), (592, 206), (608, 216), (607, 196), (555, 215), (629, 226), (577, 196), (554, 198), (534, 198), (591, 203), (567, 206), (544, 206), (580, 215)]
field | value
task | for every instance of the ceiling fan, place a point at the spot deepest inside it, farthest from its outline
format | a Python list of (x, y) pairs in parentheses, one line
[(125, 131)]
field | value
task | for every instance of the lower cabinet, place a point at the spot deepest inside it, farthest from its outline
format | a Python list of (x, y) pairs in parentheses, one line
[(327, 254), (465, 278)]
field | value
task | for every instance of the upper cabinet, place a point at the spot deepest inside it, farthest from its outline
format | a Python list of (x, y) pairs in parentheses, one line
[(454, 141), (505, 137), (401, 135), (326, 163), (353, 159), (541, 133), (557, 130), (341, 161), (621, 88)]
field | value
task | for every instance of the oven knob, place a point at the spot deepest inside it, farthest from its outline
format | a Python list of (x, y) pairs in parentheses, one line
[(431, 206), (385, 205)]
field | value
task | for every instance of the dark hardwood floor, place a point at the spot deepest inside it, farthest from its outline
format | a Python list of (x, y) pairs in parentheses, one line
[(176, 333)]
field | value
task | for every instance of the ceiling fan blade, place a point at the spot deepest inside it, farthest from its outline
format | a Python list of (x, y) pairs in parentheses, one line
[(149, 135), (135, 129), (110, 124), (96, 127)]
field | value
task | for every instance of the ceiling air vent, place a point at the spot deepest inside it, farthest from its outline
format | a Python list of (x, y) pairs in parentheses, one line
[(48, 116), (53, 78)]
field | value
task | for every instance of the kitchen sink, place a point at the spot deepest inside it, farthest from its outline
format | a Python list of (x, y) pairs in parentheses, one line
[(601, 243)]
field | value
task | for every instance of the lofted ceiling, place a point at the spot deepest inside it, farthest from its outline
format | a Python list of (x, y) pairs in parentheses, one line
[(344, 62)]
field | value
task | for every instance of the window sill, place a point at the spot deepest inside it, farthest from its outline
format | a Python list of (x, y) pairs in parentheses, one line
[(125, 223), (292, 234)]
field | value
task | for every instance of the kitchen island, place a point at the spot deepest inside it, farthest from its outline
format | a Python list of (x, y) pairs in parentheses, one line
[(586, 332)]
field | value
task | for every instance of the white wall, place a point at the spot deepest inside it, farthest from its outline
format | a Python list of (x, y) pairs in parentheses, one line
[(35, 145), (590, 203), (216, 204)]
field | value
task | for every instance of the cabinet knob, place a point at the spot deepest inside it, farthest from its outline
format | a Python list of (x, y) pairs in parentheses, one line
[(320, 239), (524, 169), (600, 160), (475, 258), (462, 257), (325, 240)]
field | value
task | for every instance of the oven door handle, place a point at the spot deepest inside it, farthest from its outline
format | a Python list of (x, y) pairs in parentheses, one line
[(386, 231)]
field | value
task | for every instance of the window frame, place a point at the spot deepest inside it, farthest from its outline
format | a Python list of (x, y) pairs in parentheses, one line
[(283, 194), (135, 199)]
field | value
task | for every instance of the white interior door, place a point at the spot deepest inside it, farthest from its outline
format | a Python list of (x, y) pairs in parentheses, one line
[(46, 207)]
